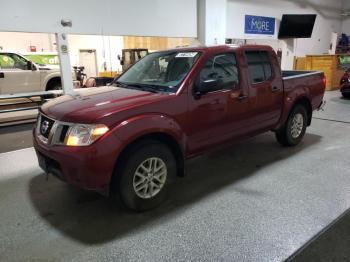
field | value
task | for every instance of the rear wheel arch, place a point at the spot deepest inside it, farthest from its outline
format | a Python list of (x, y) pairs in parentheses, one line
[(52, 83), (305, 102), (293, 131)]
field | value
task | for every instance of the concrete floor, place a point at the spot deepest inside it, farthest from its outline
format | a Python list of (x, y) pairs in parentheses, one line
[(16, 137), (254, 201)]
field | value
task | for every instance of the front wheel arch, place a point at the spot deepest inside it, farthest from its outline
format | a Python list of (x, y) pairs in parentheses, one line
[(123, 183), (163, 138)]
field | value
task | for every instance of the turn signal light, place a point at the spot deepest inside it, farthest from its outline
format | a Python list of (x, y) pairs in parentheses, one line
[(98, 131), (72, 141)]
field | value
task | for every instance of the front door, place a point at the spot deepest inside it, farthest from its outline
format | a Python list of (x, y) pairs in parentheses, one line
[(215, 116)]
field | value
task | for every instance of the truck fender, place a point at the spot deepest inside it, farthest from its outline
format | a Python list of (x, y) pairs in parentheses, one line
[(300, 97), (48, 77), (155, 126)]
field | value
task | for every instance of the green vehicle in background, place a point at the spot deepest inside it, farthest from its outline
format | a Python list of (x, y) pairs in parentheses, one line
[(45, 58)]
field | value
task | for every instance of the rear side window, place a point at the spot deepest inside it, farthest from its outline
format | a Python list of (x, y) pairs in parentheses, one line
[(6, 62), (221, 67), (259, 66)]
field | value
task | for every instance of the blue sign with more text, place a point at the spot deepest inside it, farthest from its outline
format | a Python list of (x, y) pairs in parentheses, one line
[(259, 25)]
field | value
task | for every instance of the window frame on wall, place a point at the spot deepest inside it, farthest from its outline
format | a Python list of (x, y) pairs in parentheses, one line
[(228, 86), (263, 61)]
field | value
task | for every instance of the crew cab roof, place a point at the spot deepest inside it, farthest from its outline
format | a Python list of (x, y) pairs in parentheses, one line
[(220, 48)]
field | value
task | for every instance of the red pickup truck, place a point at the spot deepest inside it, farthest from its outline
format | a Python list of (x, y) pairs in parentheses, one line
[(132, 138)]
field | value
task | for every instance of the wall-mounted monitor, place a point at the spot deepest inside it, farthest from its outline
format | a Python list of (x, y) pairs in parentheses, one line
[(296, 26)]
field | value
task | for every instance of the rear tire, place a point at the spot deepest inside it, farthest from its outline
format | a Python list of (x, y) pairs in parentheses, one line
[(346, 95), (144, 179), (294, 129)]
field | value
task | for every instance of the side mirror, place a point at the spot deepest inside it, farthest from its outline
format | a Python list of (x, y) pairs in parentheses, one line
[(119, 58), (30, 66), (207, 86)]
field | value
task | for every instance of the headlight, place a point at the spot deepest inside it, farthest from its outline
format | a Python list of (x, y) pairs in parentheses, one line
[(84, 135)]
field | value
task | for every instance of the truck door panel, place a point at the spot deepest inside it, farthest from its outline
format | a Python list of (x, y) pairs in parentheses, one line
[(207, 117), (217, 116), (266, 89)]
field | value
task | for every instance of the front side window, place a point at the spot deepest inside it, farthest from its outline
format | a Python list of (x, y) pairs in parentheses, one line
[(12, 61), (221, 67), (259, 66), (160, 71)]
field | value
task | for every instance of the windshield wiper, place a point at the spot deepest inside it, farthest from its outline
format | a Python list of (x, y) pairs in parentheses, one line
[(143, 87), (120, 84)]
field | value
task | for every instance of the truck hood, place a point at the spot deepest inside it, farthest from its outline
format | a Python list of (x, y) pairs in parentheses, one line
[(91, 105), (48, 67)]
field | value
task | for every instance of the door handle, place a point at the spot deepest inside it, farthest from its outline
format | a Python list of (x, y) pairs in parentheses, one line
[(215, 102), (241, 97), (2, 75), (275, 89)]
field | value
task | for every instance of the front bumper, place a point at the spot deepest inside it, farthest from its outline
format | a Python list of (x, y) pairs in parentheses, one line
[(345, 88), (345, 91), (87, 167)]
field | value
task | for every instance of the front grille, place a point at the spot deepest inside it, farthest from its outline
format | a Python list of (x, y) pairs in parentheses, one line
[(63, 133), (51, 132), (45, 126)]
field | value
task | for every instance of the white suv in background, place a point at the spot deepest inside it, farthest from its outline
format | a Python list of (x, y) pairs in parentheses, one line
[(20, 75)]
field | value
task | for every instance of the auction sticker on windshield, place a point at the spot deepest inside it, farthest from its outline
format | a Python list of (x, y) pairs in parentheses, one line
[(187, 54)]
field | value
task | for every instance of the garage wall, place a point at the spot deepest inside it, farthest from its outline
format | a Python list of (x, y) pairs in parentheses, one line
[(155, 43), (107, 49), (346, 20), (328, 21), (109, 17), (20, 42), (346, 26), (212, 21)]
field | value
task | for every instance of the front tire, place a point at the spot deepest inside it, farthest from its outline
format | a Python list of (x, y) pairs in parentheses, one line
[(148, 171), (294, 129)]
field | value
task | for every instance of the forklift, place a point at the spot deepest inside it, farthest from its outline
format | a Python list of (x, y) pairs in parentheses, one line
[(131, 56)]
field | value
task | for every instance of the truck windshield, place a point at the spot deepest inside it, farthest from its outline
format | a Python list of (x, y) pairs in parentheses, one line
[(159, 72)]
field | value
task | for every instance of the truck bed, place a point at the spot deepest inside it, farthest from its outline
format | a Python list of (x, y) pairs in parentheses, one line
[(289, 74), (311, 83)]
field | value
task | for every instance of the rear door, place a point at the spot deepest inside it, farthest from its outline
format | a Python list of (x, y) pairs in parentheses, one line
[(266, 89), (16, 77)]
